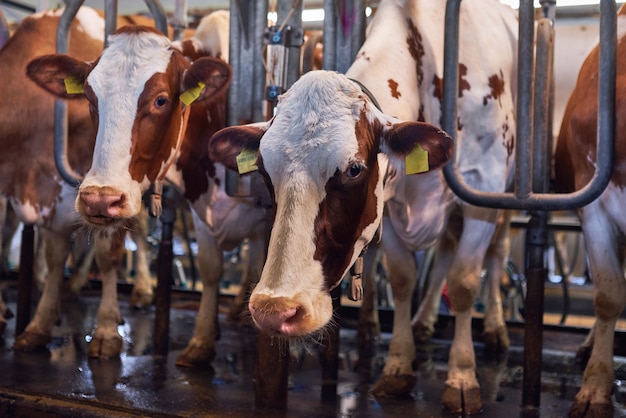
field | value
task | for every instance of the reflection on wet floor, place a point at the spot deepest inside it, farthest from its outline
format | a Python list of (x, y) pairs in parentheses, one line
[(64, 382)]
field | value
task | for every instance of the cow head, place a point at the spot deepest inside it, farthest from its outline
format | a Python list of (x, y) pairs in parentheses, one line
[(139, 92), (319, 156)]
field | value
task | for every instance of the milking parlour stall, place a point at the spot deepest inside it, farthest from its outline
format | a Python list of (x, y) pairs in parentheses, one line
[(312, 208)]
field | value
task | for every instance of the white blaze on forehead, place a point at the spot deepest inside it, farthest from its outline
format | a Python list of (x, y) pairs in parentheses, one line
[(311, 137), (117, 81)]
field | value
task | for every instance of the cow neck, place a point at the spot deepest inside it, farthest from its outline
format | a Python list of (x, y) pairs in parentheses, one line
[(155, 201)]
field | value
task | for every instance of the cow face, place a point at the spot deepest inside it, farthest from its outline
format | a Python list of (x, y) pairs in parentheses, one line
[(320, 158), (139, 91)]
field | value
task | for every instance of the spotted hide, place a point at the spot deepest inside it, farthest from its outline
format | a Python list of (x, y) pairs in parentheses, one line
[(155, 111), (603, 221), (28, 176), (319, 156)]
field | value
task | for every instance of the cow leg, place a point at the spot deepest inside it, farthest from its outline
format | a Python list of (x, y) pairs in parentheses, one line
[(83, 254), (251, 273), (142, 293), (594, 397), (368, 327), (200, 350), (423, 323), (462, 392), (38, 332), (106, 341), (398, 377), (495, 334)]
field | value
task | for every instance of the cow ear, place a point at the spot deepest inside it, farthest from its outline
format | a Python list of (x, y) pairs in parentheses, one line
[(227, 144), (60, 75), (207, 79), (422, 147)]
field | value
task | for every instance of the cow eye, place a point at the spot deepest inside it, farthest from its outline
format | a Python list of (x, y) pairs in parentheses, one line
[(354, 170), (160, 101)]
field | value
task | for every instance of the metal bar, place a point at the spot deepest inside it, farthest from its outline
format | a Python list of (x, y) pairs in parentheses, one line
[(25, 279), (18, 5), (541, 151), (5, 34), (329, 54), (110, 19), (163, 296), (60, 106), (606, 121), (180, 19), (158, 14), (536, 243)]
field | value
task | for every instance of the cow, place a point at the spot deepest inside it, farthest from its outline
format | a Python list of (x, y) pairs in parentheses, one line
[(602, 221), (30, 179), (154, 110), (318, 157)]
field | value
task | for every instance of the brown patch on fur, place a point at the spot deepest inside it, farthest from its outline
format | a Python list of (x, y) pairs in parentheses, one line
[(496, 84), (463, 84), (155, 131), (393, 87), (416, 49), (348, 208)]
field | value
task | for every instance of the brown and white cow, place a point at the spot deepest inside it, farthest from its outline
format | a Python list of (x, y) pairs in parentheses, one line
[(318, 155), (603, 221), (155, 112), (28, 176)]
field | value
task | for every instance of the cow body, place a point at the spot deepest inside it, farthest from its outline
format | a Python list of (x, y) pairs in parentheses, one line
[(29, 176), (602, 221), (401, 64), (148, 131)]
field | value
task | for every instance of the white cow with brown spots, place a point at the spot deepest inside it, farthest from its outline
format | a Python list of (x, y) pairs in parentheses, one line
[(155, 112), (319, 152), (603, 222)]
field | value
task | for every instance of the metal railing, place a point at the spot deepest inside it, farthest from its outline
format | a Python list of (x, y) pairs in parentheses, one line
[(533, 151)]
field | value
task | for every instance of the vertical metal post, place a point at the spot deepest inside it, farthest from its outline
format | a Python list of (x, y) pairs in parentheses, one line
[(162, 299), (180, 19), (344, 32), (25, 279), (110, 19), (4, 30)]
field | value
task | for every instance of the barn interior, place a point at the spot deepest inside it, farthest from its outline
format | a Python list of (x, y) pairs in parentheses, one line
[(62, 381)]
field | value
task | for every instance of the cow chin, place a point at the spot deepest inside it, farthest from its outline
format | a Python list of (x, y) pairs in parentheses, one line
[(297, 316)]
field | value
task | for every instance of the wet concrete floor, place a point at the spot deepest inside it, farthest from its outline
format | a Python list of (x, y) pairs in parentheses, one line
[(63, 382)]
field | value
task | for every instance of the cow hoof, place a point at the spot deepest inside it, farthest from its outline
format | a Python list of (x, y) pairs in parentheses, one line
[(196, 357), (394, 386), (141, 298), (590, 410), (497, 341), (463, 401), (31, 341), (422, 333), (101, 347)]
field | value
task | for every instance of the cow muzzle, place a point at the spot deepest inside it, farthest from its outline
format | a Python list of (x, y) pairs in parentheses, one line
[(296, 316), (102, 206)]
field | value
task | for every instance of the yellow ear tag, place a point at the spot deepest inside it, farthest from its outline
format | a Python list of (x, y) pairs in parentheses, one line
[(189, 96), (72, 86), (246, 161), (417, 160)]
